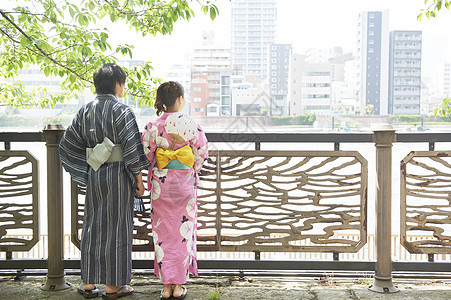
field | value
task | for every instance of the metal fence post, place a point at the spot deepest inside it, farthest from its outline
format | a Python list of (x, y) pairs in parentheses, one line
[(55, 274), (384, 136)]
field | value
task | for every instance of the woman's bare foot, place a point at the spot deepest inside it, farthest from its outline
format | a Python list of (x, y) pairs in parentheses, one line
[(178, 291), (167, 290)]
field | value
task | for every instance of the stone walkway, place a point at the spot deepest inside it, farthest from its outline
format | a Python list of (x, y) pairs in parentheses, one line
[(231, 288)]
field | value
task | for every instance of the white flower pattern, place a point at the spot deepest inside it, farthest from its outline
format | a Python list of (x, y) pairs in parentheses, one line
[(155, 190), (162, 142), (191, 208), (159, 253), (160, 173), (186, 230)]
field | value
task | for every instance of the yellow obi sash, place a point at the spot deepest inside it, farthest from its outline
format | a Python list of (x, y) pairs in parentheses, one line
[(183, 155)]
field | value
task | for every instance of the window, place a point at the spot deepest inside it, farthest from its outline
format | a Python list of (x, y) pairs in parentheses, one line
[(225, 100), (225, 80), (198, 109), (225, 90), (197, 99), (197, 89), (315, 73)]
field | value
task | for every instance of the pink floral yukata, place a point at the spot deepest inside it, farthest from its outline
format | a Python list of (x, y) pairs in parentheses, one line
[(174, 204)]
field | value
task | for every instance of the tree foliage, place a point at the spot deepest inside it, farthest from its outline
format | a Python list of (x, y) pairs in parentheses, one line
[(445, 108), (68, 39), (430, 11), (433, 7), (369, 110), (307, 119)]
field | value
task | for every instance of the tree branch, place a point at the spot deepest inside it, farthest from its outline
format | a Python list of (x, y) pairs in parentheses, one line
[(40, 50)]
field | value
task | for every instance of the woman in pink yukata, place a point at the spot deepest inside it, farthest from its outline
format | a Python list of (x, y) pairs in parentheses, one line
[(172, 180)]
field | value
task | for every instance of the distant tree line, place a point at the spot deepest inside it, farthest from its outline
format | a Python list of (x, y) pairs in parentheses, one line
[(307, 119)]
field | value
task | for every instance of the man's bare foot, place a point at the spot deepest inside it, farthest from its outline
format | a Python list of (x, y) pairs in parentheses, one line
[(111, 289), (88, 287)]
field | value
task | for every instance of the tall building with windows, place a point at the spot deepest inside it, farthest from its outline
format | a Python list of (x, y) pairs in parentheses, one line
[(253, 31), (199, 95), (211, 60), (310, 87), (404, 87), (372, 60), (181, 73), (226, 94), (443, 80), (279, 70)]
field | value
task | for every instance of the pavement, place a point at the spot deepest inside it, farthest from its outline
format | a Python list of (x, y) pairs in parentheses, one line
[(249, 288)]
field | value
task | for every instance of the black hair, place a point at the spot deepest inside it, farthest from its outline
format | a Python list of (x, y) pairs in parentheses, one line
[(106, 77), (167, 94)]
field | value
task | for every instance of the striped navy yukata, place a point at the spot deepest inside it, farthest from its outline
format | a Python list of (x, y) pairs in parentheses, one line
[(107, 235)]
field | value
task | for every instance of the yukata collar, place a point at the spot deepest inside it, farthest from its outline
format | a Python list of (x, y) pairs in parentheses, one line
[(106, 97), (166, 115)]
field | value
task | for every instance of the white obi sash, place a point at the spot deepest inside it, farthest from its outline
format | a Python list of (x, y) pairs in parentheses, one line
[(103, 152)]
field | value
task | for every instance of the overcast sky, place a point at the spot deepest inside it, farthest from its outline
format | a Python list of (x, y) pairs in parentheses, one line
[(305, 25)]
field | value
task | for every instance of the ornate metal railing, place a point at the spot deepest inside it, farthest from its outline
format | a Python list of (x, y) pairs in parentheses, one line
[(19, 200), (426, 201), (272, 200), (269, 201), (142, 231)]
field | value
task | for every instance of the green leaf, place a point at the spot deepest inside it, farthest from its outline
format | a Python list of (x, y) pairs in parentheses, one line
[(91, 6), (24, 41), (212, 12), (71, 11)]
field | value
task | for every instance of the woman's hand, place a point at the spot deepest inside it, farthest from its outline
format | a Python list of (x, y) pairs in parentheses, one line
[(139, 185)]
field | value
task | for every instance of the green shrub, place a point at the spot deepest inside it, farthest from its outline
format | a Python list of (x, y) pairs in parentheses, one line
[(307, 119), (409, 118)]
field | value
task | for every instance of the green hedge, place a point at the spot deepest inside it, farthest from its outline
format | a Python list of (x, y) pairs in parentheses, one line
[(405, 118), (294, 120)]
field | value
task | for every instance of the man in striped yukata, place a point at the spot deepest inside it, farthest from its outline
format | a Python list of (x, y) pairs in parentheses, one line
[(102, 150)]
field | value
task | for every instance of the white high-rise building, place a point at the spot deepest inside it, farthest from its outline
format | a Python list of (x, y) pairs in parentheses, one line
[(310, 87), (443, 80), (181, 73), (213, 61), (372, 58), (253, 31), (405, 72), (279, 62)]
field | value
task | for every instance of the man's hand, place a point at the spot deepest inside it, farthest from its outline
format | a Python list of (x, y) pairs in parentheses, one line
[(139, 185)]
